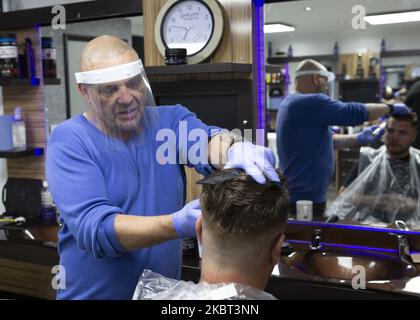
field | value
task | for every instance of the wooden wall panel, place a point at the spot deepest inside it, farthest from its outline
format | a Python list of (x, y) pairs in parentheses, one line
[(26, 279), (236, 43), (193, 189), (235, 46), (152, 55), (31, 99), (350, 59)]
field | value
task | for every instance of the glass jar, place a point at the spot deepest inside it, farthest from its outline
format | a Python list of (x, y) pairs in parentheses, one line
[(8, 56), (49, 58), (175, 56)]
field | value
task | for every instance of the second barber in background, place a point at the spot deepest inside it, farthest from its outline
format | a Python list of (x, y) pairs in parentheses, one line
[(305, 141)]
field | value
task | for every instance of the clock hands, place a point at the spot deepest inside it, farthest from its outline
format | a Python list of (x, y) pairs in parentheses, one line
[(186, 33), (187, 28), (179, 27)]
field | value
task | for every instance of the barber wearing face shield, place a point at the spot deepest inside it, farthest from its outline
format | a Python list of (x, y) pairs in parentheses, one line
[(122, 204), (305, 141)]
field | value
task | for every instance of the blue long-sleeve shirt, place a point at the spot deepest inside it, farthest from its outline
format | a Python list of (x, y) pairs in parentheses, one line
[(304, 141), (93, 177)]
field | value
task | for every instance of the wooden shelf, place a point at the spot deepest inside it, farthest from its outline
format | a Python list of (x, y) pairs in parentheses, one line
[(359, 80), (51, 81), (199, 68), (19, 153), (272, 69), (75, 12), (400, 53), (283, 60), (19, 82)]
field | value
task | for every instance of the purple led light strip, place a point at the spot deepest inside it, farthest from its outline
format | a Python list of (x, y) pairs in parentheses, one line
[(259, 66)]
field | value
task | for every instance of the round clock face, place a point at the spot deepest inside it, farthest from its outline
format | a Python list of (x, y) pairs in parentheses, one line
[(188, 24)]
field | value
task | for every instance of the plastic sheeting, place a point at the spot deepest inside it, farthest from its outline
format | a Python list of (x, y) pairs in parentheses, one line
[(385, 190), (153, 286)]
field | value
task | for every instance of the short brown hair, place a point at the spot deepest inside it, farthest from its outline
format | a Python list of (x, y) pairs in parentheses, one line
[(410, 117), (241, 206)]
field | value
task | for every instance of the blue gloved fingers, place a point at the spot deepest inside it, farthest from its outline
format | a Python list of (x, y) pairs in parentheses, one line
[(269, 154), (379, 131), (195, 204), (257, 161), (268, 170), (370, 135), (400, 109), (184, 219), (250, 168)]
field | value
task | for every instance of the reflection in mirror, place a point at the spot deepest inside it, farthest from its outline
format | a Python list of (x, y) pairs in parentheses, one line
[(14, 5), (372, 64), (64, 100)]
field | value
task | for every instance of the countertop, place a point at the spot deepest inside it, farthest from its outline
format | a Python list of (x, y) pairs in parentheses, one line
[(37, 245)]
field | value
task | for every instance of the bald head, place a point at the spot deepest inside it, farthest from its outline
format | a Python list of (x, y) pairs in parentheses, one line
[(311, 83), (106, 51)]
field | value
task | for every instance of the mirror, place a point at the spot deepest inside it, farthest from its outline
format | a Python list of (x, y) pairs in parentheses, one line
[(64, 100), (372, 64)]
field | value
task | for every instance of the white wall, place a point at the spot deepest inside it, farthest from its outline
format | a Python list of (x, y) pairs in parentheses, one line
[(348, 42), (351, 43)]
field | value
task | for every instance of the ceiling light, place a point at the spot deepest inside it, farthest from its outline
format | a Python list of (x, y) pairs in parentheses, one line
[(389, 18), (308, 9), (277, 27)]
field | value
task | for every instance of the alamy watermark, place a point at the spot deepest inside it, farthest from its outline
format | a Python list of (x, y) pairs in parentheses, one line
[(59, 20), (358, 22), (359, 280), (58, 282), (191, 147)]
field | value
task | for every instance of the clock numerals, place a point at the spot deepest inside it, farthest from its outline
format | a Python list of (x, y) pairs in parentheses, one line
[(190, 25)]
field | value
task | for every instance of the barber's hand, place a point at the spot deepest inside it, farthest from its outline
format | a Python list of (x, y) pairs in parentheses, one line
[(184, 220), (369, 136), (399, 109), (257, 161)]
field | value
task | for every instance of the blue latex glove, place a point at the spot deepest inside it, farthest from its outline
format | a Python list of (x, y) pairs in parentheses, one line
[(399, 109), (370, 135), (257, 161), (184, 220)]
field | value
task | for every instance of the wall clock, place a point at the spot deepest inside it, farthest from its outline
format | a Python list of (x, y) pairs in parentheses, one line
[(196, 25)]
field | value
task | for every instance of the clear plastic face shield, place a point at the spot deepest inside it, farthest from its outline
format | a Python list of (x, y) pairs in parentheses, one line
[(329, 88), (117, 97)]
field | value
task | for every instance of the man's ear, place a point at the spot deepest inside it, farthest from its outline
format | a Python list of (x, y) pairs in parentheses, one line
[(276, 249), (83, 90), (199, 228), (315, 79)]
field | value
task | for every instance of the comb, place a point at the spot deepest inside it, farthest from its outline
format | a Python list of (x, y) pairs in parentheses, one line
[(221, 178)]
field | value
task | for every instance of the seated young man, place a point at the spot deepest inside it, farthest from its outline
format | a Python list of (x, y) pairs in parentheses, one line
[(241, 230), (384, 185)]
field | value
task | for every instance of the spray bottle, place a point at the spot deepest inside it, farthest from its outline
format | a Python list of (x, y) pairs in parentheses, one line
[(18, 130)]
